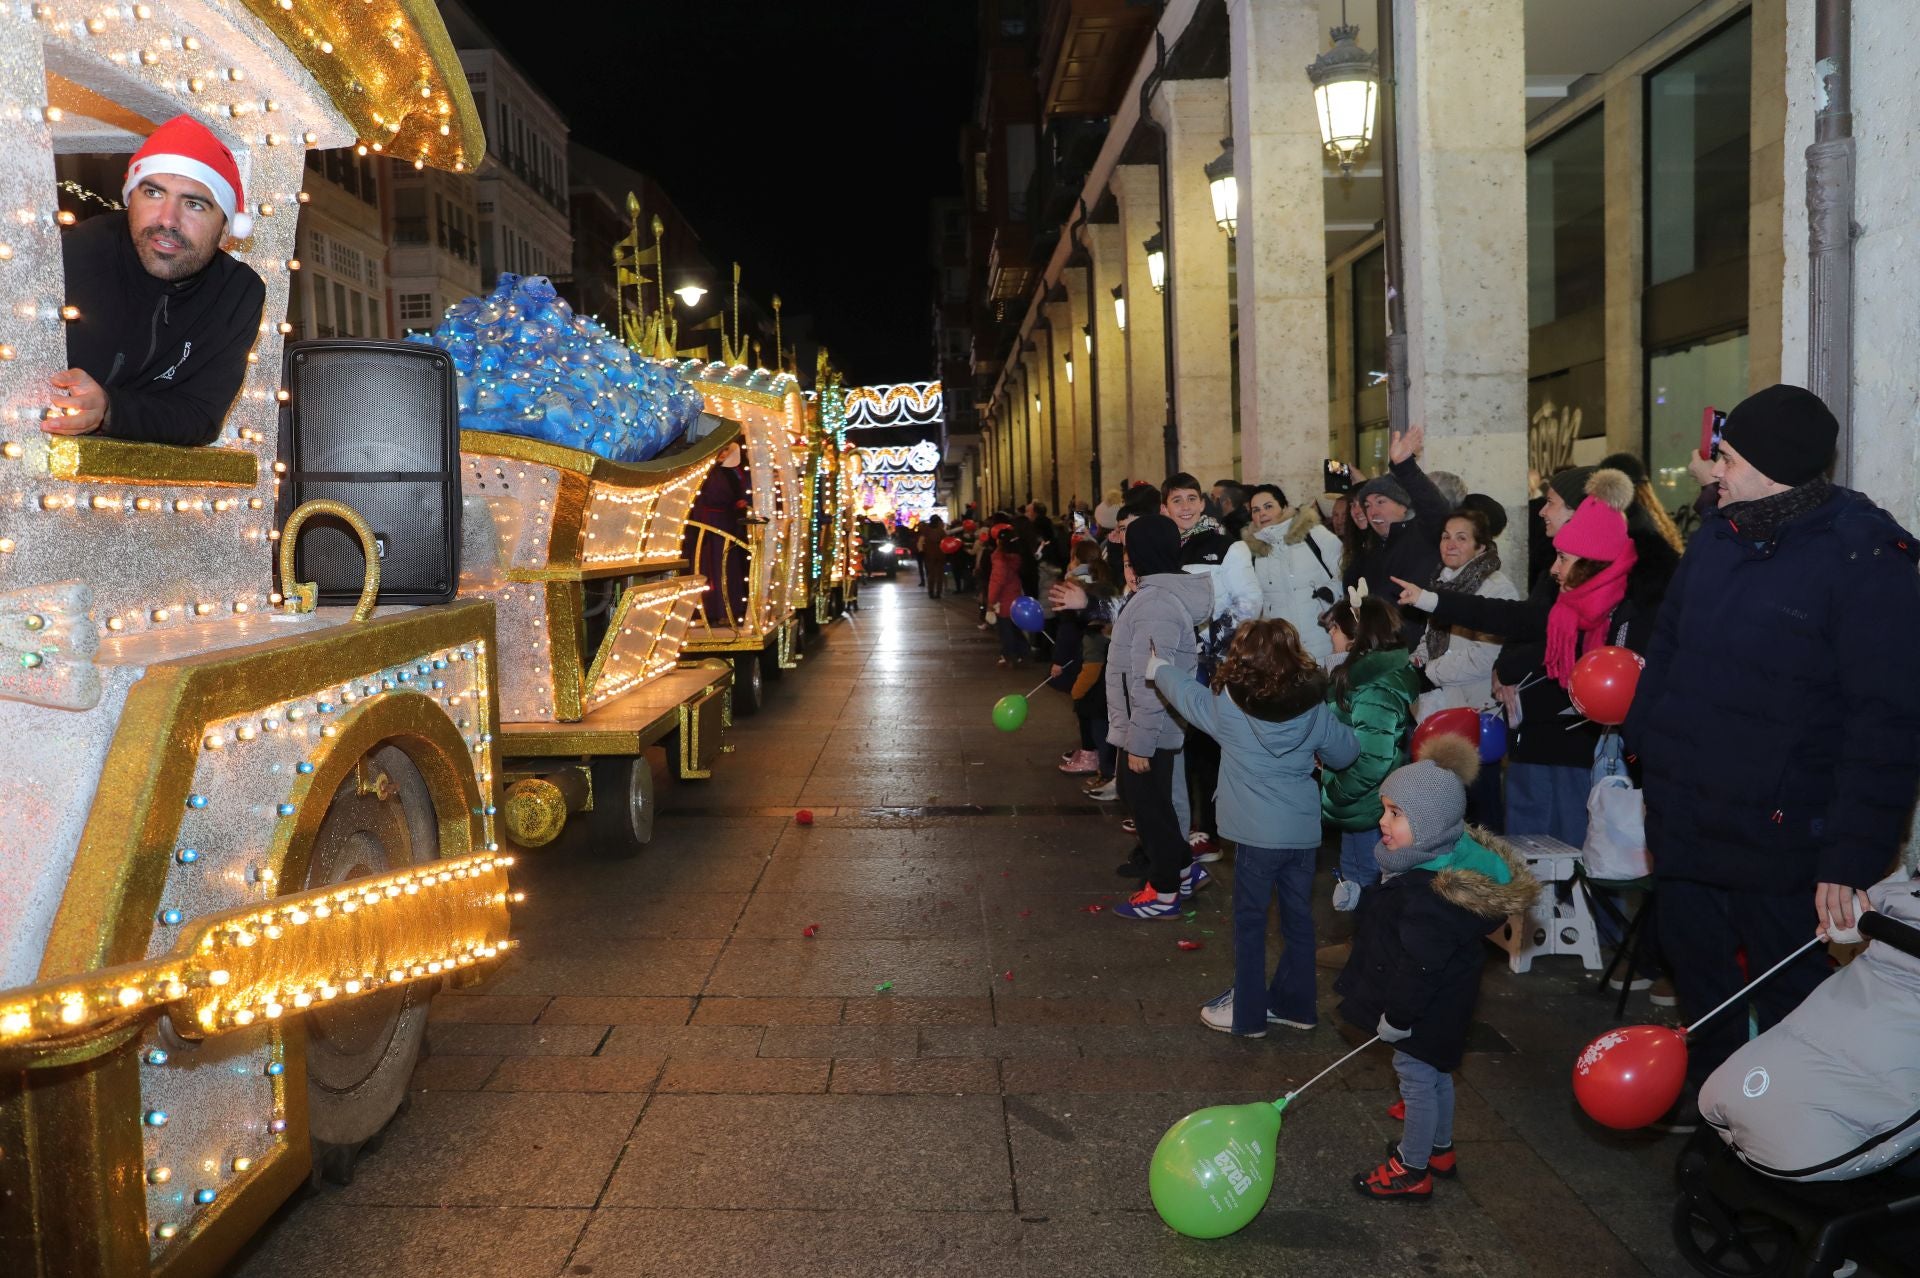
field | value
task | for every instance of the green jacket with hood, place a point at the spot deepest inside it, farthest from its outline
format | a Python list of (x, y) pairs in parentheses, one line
[(1381, 690)]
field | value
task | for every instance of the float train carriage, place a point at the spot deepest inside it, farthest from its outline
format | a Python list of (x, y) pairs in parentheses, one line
[(243, 842)]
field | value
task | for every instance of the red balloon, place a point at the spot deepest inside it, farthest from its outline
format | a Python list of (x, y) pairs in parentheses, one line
[(950, 545), (1603, 683), (968, 525), (1629, 1077), (1461, 721)]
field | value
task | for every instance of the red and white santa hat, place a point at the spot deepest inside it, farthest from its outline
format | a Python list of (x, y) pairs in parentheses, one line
[(184, 147)]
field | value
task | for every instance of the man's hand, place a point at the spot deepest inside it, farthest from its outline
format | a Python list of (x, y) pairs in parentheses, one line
[(1409, 593), (79, 402), (1136, 763), (1406, 445), (1701, 468), (1067, 596), (1838, 907)]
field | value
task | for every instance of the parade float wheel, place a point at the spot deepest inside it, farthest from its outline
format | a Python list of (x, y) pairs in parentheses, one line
[(1725, 1243), (360, 1055), (748, 690), (623, 804), (770, 655)]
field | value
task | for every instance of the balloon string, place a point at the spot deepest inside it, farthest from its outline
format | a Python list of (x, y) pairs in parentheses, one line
[(1328, 1070), (1750, 984), (1050, 678)]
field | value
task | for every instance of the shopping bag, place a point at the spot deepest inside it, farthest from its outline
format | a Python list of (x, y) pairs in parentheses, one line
[(1616, 846)]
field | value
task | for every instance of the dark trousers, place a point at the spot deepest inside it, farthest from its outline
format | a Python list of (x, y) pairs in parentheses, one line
[(1091, 711), (1487, 800), (1203, 778), (1257, 874), (1149, 796), (1700, 927), (1013, 641)]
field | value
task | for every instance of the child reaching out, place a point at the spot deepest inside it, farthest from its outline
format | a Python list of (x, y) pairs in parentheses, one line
[(1266, 707), (1372, 690), (1414, 975)]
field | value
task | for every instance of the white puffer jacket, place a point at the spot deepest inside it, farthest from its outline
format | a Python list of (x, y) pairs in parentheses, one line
[(1463, 675), (1277, 571)]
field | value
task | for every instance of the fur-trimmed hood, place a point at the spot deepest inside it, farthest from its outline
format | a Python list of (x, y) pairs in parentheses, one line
[(1260, 542), (1460, 882)]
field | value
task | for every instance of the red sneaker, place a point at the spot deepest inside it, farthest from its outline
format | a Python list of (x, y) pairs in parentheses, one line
[(1397, 1111), (1441, 1162), (1394, 1181)]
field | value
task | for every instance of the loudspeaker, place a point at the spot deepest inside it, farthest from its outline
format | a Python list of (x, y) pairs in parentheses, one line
[(375, 425)]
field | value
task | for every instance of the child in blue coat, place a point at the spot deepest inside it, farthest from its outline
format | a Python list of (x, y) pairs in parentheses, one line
[(1266, 707)]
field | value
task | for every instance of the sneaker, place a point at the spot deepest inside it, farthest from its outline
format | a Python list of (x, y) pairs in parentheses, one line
[(1441, 1162), (1683, 1118), (1636, 985), (1218, 1015), (1205, 847), (1394, 1181), (1108, 793), (1068, 754), (1662, 995), (1397, 1111), (1129, 827), (1149, 904), (1299, 1025), (1135, 866), (1192, 879), (1080, 763)]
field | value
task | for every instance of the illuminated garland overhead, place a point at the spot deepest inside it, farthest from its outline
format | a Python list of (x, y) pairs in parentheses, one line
[(907, 404), (901, 459)]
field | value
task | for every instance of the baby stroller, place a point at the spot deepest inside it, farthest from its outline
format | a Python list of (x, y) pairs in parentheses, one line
[(1806, 1166)]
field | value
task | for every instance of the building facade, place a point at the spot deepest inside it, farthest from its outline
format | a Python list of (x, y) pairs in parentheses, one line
[(341, 288), (1602, 230)]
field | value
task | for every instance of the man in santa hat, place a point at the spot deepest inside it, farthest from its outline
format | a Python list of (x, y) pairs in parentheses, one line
[(165, 318)]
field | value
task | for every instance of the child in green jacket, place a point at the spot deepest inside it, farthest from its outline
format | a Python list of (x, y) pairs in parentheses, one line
[(1372, 689)]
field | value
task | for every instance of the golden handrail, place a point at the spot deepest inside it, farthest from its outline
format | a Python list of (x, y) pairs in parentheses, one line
[(301, 596)]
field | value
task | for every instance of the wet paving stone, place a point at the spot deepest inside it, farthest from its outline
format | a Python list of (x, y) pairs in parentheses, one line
[(963, 1071)]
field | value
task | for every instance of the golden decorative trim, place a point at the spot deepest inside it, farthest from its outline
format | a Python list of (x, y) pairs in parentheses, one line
[(539, 452), (533, 812), (599, 574), (696, 762), (626, 726), (300, 596), (675, 590), (108, 912), (399, 82), (95, 459), (566, 643)]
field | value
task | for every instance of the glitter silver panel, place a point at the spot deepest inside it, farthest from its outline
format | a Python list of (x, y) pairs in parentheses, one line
[(219, 1103), (513, 499)]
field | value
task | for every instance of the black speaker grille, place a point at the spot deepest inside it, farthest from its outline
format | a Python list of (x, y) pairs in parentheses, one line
[(376, 425)]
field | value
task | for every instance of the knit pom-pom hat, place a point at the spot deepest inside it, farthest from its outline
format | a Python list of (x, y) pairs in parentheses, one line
[(1598, 529), (1432, 793)]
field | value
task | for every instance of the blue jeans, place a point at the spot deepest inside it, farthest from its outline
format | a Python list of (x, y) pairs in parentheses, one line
[(1548, 798), (1256, 873), (1013, 641), (1428, 1093), (1357, 863)]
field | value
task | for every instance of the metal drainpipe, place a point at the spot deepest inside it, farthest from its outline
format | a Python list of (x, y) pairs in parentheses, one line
[(1093, 385), (1389, 134), (1171, 431), (1830, 229)]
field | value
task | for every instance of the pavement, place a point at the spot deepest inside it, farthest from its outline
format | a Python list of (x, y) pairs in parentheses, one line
[(963, 1071)]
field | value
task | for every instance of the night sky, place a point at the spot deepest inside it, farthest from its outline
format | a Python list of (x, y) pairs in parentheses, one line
[(859, 101)]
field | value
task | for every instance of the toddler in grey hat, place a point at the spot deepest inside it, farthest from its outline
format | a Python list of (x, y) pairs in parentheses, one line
[(1414, 975)]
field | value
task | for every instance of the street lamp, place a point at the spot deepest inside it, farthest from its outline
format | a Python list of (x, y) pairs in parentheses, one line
[(1086, 337), (1119, 308), (1224, 190), (1345, 91), (1156, 246), (1068, 360), (690, 294)]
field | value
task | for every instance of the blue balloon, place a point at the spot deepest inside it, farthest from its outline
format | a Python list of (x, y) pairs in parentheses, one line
[(1493, 736), (1026, 614)]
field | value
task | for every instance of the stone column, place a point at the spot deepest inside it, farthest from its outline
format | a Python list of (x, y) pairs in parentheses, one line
[(1051, 336), (1136, 188), (1768, 195), (1107, 365), (1623, 122), (1039, 459), (1070, 351), (1463, 182), (1281, 251), (1194, 115), (1340, 425)]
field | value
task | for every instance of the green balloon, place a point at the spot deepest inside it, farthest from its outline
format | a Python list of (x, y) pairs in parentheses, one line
[(1009, 712), (1213, 1169)]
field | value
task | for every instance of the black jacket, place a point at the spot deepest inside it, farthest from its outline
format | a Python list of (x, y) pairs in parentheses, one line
[(1418, 951), (1208, 546), (1411, 549), (1778, 719), (171, 356)]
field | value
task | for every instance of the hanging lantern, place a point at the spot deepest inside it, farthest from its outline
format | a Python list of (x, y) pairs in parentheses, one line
[(1086, 337), (1224, 190), (1346, 89), (1156, 246), (1119, 308), (1068, 361)]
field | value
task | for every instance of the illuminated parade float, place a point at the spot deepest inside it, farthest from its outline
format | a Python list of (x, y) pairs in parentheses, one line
[(249, 837)]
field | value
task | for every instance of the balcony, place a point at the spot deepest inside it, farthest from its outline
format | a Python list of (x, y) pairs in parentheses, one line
[(1088, 50), (1010, 263)]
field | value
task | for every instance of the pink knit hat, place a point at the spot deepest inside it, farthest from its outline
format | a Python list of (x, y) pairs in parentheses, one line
[(1596, 531)]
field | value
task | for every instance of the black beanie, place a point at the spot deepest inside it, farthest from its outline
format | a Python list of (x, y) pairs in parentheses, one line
[(1153, 545), (1785, 432), (1492, 511), (1571, 484)]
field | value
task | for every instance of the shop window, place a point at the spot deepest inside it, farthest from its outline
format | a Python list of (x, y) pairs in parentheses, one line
[(416, 310), (1680, 384), (1698, 156), (1566, 223)]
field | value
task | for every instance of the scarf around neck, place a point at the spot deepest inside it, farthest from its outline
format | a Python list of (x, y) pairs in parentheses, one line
[(1578, 619), (1760, 519), (1472, 575)]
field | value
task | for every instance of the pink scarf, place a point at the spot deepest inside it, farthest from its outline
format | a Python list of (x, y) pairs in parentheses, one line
[(1578, 619)]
